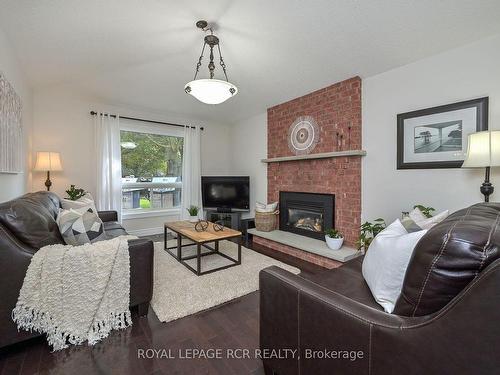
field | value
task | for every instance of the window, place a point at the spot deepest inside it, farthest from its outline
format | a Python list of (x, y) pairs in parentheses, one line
[(151, 169)]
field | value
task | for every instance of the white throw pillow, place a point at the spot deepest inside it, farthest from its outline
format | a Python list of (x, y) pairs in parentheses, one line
[(262, 207), (386, 260), (417, 216), (85, 201), (424, 222)]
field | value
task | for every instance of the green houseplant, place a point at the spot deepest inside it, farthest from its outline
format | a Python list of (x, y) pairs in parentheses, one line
[(368, 232), (193, 213), (75, 193), (334, 239)]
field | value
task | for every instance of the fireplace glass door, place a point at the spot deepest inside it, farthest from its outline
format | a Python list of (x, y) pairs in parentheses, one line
[(306, 219)]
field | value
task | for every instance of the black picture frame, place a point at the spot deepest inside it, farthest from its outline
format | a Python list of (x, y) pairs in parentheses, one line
[(481, 104)]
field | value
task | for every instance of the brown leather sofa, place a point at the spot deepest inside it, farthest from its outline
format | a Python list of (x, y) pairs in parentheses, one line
[(446, 321), (27, 224)]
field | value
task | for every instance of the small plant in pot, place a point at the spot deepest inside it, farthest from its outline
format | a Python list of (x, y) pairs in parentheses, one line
[(334, 239), (75, 193), (193, 213)]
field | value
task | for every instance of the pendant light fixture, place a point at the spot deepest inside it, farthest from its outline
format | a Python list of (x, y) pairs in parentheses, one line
[(210, 90)]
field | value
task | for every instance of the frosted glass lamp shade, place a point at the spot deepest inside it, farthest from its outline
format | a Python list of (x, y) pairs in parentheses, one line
[(48, 161), (211, 91)]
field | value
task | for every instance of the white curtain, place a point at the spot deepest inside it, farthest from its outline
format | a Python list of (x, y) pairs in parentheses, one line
[(191, 172), (108, 163)]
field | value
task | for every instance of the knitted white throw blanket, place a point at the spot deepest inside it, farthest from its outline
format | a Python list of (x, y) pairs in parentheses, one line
[(76, 293)]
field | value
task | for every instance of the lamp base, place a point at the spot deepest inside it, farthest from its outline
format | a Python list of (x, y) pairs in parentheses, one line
[(487, 188), (48, 183)]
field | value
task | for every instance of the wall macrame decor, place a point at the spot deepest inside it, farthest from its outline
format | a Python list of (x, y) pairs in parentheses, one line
[(11, 131)]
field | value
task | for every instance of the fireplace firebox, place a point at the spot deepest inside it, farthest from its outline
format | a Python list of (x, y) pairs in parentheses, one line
[(308, 214)]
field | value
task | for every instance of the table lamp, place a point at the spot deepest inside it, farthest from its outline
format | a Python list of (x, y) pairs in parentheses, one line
[(48, 162), (483, 151)]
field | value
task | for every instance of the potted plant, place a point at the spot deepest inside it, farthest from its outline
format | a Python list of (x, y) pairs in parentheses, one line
[(368, 233), (193, 213), (75, 193), (334, 239)]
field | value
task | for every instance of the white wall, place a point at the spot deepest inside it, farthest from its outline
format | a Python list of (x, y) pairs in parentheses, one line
[(249, 146), (63, 124), (465, 73), (13, 185)]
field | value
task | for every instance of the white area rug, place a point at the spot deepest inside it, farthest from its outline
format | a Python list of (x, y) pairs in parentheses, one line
[(178, 292)]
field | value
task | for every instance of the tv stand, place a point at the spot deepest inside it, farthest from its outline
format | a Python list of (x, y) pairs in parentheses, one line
[(224, 210), (231, 219)]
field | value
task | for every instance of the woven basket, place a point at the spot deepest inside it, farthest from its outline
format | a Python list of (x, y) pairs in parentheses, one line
[(266, 221)]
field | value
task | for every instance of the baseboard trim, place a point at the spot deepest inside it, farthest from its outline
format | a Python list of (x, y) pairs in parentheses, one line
[(146, 232)]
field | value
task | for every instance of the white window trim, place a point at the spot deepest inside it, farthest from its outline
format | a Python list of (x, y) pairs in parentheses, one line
[(138, 213)]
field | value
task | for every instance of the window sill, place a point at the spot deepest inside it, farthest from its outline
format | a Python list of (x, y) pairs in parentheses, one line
[(141, 213)]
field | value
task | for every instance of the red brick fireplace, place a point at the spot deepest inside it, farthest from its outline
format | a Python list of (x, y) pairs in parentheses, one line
[(337, 111)]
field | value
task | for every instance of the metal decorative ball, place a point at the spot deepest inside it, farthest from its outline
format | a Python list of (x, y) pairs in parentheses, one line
[(219, 226), (201, 226)]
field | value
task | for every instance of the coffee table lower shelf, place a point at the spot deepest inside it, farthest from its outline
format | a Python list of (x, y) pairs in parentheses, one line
[(199, 254)]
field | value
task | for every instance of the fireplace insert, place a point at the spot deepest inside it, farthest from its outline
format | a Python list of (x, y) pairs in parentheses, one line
[(308, 214)]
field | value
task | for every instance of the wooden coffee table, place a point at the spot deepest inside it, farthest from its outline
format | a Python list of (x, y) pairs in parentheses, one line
[(187, 230)]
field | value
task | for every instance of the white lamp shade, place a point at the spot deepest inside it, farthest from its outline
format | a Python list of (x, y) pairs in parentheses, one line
[(483, 150), (211, 91), (48, 161)]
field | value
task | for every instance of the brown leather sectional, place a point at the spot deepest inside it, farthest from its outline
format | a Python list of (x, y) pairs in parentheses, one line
[(27, 224), (446, 321)]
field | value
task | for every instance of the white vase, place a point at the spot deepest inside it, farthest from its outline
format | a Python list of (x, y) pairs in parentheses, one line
[(193, 219), (334, 243)]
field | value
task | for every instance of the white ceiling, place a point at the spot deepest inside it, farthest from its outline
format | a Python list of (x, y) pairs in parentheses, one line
[(142, 52)]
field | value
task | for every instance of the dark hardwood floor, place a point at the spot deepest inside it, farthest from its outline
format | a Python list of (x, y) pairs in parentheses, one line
[(229, 326)]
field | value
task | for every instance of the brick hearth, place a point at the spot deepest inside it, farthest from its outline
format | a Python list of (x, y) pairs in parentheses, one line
[(334, 108)]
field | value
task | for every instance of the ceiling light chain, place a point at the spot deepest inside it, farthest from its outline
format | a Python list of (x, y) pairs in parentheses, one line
[(222, 63), (198, 65), (210, 91)]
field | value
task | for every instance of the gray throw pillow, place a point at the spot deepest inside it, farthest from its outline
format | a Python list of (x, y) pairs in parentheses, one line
[(410, 225), (80, 226)]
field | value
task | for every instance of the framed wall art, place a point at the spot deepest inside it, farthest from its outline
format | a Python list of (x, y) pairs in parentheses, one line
[(437, 137), (11, 132)]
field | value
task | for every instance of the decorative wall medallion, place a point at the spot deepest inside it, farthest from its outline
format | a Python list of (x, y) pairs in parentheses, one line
[(303, 135), (11, 141)]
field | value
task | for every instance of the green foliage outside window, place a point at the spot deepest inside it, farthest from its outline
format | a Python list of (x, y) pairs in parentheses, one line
[(145, 203), (153, 155)]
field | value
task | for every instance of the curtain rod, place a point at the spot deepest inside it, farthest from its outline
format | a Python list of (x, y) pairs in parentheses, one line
[(93, 113)]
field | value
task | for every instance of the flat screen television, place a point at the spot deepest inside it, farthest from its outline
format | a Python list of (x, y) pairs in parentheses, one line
[(226, 193)]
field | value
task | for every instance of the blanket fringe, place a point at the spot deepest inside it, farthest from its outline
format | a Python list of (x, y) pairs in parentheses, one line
[(39, 321)]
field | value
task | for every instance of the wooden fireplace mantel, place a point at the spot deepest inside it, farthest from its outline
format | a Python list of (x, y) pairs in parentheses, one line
[(322, 155)]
